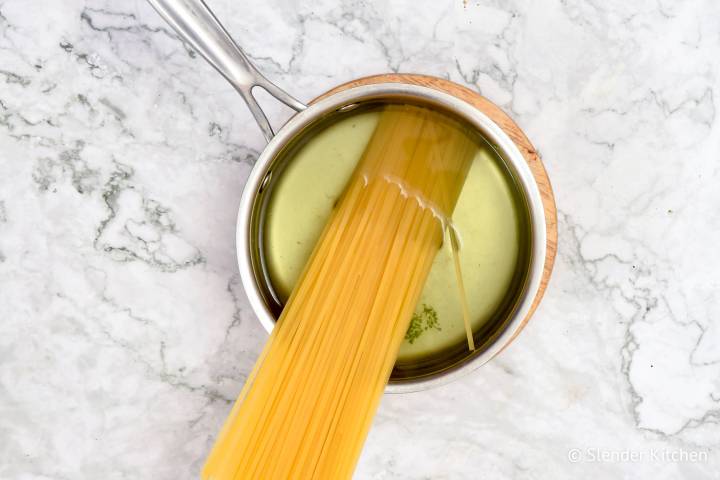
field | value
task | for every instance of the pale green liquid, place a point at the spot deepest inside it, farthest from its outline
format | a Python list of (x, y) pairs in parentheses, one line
[(489, 217)]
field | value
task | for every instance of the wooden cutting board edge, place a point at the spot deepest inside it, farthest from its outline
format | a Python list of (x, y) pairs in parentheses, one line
[(514, 132)]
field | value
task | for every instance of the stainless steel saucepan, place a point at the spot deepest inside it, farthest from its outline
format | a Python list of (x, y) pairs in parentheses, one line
[(198, 26)]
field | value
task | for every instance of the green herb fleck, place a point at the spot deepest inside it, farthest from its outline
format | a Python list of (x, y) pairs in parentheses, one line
[(426, 319)]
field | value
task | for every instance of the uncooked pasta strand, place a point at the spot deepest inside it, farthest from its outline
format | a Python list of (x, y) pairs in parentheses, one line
[(351, 330), (376, 195), (307, 406), (348, 458), (390, 278)]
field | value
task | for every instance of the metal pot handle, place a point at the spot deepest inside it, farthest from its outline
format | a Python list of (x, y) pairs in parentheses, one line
[(198, 26)]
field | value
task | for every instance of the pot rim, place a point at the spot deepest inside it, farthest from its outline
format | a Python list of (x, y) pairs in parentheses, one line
[(492, 132)]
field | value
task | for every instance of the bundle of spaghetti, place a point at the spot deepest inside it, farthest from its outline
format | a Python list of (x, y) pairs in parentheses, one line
[(307, 406)]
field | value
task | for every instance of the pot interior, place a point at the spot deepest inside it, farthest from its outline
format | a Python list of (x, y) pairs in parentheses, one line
[(305, 179)]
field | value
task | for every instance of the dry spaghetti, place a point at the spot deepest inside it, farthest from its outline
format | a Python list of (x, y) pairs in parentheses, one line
[(307, 406)]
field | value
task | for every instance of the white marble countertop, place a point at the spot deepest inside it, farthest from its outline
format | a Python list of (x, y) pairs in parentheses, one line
[(124, 331)]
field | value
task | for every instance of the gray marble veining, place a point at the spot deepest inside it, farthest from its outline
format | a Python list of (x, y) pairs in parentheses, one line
[(124, 331)]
